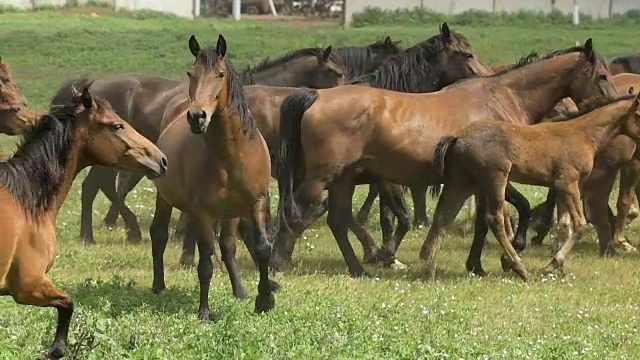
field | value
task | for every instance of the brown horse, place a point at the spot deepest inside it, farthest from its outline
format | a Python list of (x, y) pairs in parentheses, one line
[(141, 100), (15, 115), (389, 139), (37, 179), (220, 135), (486, 155)]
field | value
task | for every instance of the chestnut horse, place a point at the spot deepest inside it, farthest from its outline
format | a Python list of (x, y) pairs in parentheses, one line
[(35, 182), (141, 100), (331, 135), (15, 115), (486, 155), (221, 136)]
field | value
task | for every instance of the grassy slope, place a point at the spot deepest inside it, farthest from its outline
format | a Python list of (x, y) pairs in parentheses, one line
[(321, 313)]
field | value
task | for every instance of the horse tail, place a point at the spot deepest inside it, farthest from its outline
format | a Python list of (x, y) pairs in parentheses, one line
[(440, 154), (291, 160), (64, 94)]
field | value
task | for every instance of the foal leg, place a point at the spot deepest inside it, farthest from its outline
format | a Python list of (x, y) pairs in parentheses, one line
[(394, 196), (187, 257), (228, 237), (419, 197), (570, 215), (474, 260), (159, 233), (520, 202), (38, 290), (365, 209), (265, 300), (450, 202)]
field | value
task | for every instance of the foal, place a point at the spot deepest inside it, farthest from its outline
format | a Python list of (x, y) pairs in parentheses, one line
[(559, 155), (35, 182), (15, 116)]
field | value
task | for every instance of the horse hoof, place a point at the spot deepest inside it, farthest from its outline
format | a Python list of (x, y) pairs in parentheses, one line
[(89, 242), (157, 289), (240, 294), (361, 218), (506, 264), (264, 302), (203, 315), (187, 260), (626, 247), (274, 285), (398, 266)]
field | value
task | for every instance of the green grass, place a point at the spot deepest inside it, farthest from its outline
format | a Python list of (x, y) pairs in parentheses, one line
[(320, 313)]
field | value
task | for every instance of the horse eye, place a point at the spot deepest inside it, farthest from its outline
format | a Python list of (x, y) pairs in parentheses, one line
[(602, 77), (221, 74), (117, 126)]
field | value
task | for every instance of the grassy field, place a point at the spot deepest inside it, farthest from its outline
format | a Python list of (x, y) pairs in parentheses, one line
[(320, 313)]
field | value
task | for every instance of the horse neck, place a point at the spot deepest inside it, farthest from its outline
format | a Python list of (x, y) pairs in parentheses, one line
[(538, 87), (294, 73), (73, 166), (602, 125), (226, 137)]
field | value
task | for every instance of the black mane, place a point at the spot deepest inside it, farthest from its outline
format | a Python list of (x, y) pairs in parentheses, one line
[(590, 105), (359, 60), (36, 171), (412, 71), (533, 57), (246, 77), (238, 102)]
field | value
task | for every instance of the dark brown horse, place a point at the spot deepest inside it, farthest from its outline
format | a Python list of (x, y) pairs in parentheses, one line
[(395, 135), (141, 100), (15, 115), (37, 179), (625, 64), (486, 155), (221, 136)]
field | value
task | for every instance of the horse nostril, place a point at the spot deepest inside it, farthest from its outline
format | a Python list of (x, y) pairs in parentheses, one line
[(164, 161)]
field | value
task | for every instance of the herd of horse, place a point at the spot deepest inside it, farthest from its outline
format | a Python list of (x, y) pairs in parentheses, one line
[(429, 118)]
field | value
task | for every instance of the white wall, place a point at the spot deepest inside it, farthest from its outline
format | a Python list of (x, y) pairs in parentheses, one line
[(595, 8), (182, 8)]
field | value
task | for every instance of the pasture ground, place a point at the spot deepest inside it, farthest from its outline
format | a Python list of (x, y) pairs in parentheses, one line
[(321, 313)]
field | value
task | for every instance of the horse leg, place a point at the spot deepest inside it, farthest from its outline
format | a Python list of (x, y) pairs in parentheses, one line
[(393, 196), (90, 188), (598, 205), (339, 218), (308, 196), (159, 233), (450, 202), (570, 219), (365, 209), (265, 300), (543, 225), (131, 179), (228, 236), (190, 233), (474, 260), (629, 176), (134, 233), (419, 197), (38, 290), (520, 202), (494, 190), (205, 241)]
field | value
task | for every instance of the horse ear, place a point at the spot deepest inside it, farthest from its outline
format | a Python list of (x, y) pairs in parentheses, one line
[(631, 90), (387, 41), (74, 91), (194, 46), (86, 98), (588, 49), (446, 33), (221, 46), (326, 53)]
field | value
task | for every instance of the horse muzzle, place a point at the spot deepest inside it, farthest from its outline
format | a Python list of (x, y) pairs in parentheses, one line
[(198, 121)]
